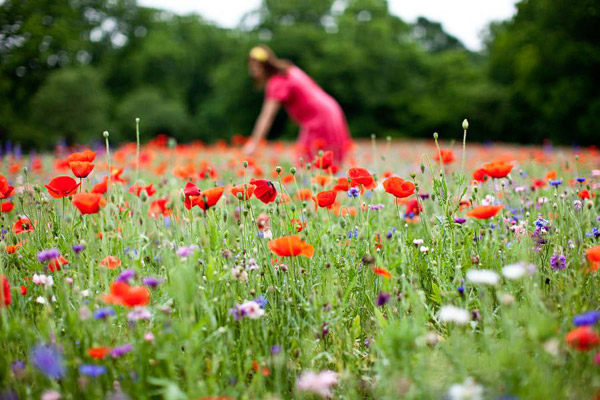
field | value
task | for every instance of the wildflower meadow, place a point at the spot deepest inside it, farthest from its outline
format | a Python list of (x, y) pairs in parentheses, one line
[(437, 269)]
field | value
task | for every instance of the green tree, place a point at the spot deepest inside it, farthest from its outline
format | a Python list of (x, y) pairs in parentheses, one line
[(72, 105)]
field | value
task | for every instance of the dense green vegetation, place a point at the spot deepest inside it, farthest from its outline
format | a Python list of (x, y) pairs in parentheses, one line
[(73, 69)]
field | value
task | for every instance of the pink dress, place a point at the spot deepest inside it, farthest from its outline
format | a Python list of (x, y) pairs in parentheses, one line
[(321, 119)]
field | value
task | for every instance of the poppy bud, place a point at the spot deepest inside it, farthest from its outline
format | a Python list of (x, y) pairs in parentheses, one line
[(25, 170), (413, 175), (245, 163), (172, 143), (422, 168), (105, 134), (308, 165), (373, 136), (475, 189), (465, 124), (278, 169), (435, 135), (293, 207), (144, 196), (137, 120), (225, 215), (293, 170)]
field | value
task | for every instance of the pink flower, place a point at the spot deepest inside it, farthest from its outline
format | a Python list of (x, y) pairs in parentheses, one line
[(317, 383)]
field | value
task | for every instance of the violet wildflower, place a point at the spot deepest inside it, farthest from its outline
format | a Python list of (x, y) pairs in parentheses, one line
[(184, 252), (587, 318), (139, 314), (48, 359), (47, 255), (353, 233), (382, 298), (126, 275), (121, 350), (376, 207), (558, 262), (261, 301), (458, 220), (92, 370), (17, 367), (152, 281), (104, 313), (580, 180), (276, 349), (390, 233), (556, 182), (78, 248), (353, 192)]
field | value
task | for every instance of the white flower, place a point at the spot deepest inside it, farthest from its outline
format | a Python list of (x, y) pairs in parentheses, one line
[(542, 200), (595, 172), (487, 200), (468, 390), (418, 242), (85, 293), (519, 189), (320, 383), (424, 249), (482, 276), (40, 300), (514, 271), (267, 234), (50, 395), (46, 281), (252, 310), (454, 314)]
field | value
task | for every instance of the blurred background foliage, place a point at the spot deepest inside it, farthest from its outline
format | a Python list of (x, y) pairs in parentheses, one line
[(70, 69)]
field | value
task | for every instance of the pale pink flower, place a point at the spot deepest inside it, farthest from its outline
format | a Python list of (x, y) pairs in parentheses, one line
[(318, 383)]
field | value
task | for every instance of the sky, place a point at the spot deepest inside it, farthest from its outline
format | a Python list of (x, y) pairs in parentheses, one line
[(464, 19)]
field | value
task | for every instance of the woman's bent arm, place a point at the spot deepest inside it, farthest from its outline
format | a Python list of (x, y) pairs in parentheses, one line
[(263, 124)]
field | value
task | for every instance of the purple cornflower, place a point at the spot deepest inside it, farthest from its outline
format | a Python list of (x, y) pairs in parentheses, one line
[(558, 262), (261, 301), (424, 196), (390, 233), (376, 207), (126, 275), (78, 248), (121, 350), (556, 182), (92, 370), (353, 192), (580, 180), (186, 251), (461, 288), (276, 349), (152, 281), (587, 318), (104, 313), (47, 255), (138, 313), (458, 220), (236, 312), (594, 233), (352, 233), (48, 359), (382, 298)]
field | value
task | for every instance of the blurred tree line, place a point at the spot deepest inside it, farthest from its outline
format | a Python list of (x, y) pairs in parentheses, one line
[(70, 69)]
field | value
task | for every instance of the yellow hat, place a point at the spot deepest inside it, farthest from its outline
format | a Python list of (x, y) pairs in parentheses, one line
[(259, 54)]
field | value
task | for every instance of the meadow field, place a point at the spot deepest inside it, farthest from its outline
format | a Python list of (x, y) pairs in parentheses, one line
[(416, 270)]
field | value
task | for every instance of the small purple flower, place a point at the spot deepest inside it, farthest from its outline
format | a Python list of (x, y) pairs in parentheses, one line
[(121, 350), (353, 233), (47, 255), (184, 252), (152, 281), (261, 301), (353, 192), (580, 180), (78, 248), (558, 262), (376, 207), (275, 349), (382, 298), (48, 359), (556, 182), (126, 275), (92, 370), (424, 196), (18, 368), (461, 221), (104, 313), (138, 313), (236, 312), (461, 288), (587, 318), (390, 233)]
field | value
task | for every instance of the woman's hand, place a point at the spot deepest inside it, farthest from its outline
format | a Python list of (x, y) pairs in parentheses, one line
[(249, 147), (262, 126)]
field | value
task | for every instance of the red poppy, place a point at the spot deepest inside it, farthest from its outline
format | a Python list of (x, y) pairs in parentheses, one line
[(593, 256), (342, 185), (538, 183), (88, 203), (62, 186), (298, 224), (207, 198), (98, 352), (190, 190), (57, 263), (86, 155), (5, 292), (585, 194), (23, 290), (479, 175), (321, 180), (326, 198), (243, 189), (265, 190), (447, 156), (484, 212), (398, 187), (551, 175), (137, 189), (81, 169), (159, 208), (382, 272), (304, 194), (12, 248), (325, 161), (115, 175), (360, 176), (101, 187), (110, 262), (291, 246), (5, 189), (6, 207), (23, 225), (497, 169), (582, 338), (413, 206)]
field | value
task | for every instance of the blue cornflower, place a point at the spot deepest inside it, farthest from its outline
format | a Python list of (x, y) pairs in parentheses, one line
[(261, 301), (391, 233), (47, 255), (92, 370), (121, 350), (541, 222), (167, 222), (353, 192), (48, 359), (593, 234), (276, 349), (104, 313), (587, 318), (126, 275), (352, 233), (556, 182), (152, 281), (558, 262), (78, 248), (580, 180), (383, 298)]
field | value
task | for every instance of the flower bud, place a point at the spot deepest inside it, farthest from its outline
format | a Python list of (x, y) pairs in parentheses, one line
[(105, 134), (465, 124)]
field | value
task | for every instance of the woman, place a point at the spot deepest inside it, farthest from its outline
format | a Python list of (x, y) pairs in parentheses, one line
[(321, 119)]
